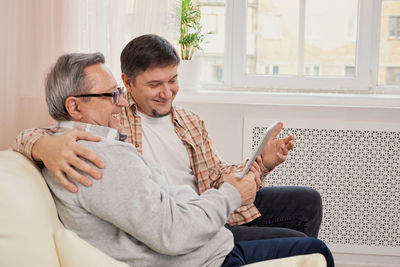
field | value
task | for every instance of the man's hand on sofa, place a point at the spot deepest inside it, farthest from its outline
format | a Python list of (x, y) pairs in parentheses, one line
[(61, 153)]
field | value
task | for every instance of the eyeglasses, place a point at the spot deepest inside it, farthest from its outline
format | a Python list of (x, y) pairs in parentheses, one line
[(115, 95)]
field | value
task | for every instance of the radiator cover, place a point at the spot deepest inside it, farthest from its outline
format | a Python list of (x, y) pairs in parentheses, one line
[(356, 171)]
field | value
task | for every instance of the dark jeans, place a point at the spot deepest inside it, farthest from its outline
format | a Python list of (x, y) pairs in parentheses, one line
[(286, 211), (246, 252)]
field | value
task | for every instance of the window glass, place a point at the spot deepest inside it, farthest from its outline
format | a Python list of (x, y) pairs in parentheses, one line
[(330, 35), (283, 43), (389, 54), (349, 71), (392, 26), (272, 37), (212, 54), (393, 75)]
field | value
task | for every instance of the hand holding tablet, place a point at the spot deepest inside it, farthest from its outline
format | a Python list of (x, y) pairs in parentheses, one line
[(259, 148)]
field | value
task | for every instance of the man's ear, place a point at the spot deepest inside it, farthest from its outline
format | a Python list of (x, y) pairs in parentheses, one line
[(127, 82), (72, 105)]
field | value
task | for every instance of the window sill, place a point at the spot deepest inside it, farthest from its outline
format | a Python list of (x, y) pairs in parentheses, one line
[(292, 99)]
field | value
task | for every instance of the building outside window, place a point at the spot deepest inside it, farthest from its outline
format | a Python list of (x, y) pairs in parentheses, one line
[(349, 71), (272, 27), (312, 70), (301, 38), (393, 75), (394, 27)]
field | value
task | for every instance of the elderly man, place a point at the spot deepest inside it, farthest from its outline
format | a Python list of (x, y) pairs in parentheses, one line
[(158, 130), (135, 213)]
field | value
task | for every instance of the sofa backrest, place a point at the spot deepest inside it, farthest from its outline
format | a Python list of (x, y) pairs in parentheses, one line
[(30, 231), (28, 216)]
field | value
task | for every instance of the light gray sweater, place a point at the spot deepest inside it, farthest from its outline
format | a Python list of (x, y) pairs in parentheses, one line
[(136, 215)]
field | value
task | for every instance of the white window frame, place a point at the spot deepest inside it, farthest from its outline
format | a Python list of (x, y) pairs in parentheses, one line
[(366, 62)]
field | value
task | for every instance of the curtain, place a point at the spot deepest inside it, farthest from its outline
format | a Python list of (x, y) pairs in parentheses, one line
[(35, 33)]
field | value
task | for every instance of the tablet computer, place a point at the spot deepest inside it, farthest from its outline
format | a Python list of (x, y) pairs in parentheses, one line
[(259, 148)]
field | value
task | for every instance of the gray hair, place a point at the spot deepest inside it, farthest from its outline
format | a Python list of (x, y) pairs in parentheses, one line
[(67, 78)]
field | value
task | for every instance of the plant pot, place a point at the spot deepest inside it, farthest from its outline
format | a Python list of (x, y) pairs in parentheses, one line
[(189, 74)]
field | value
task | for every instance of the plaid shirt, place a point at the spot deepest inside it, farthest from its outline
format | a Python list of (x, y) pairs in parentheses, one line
[(207, 166)]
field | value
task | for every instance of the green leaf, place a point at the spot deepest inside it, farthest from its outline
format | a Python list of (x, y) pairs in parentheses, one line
[(191, 35)]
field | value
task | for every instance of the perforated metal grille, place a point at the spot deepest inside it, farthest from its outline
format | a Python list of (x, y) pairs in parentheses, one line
[(358, 176)]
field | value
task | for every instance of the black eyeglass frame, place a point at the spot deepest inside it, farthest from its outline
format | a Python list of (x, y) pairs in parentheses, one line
[(115, 95)]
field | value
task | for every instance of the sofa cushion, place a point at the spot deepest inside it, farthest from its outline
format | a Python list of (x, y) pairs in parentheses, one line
[(310, 260), (75, 252), (28, 216)]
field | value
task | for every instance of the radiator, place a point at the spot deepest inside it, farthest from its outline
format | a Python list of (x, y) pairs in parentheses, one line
[(356, 169)]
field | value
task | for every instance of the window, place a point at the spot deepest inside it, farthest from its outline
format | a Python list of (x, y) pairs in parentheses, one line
[(212, 54), (275, 70), (349, 71), (218, 72), (330, 45), (312, 39), (394, 27), (393, 75), (389, 47), (272, 70), (312, 70)]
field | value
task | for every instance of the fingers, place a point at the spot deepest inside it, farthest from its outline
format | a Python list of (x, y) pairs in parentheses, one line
[(259, 160), (65, 182), (281, 156), (252, 177), (62, 156), (80, 135), (289, 141), (284, 149), (87, 154), (257, 174), (84, 167), (76, 176), (277, 130), (262, 183), (90, 156), (290, 145), (245, 186), (257, 164)]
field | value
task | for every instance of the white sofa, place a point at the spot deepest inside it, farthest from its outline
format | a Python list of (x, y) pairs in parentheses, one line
[(32, 235)]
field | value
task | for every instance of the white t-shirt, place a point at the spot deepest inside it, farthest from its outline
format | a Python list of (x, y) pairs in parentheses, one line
[(161, 144)]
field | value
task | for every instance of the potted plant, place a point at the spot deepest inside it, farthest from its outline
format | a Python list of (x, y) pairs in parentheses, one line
[(190, 40)]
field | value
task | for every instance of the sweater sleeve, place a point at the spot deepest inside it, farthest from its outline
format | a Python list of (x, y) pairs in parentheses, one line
[(140, 201)]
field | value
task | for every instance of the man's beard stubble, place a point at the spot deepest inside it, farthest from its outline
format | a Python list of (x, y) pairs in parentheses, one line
[(158, 115)]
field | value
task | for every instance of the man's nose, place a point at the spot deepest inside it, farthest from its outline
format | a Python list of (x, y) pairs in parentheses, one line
[(166, 91), (122, 102)]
